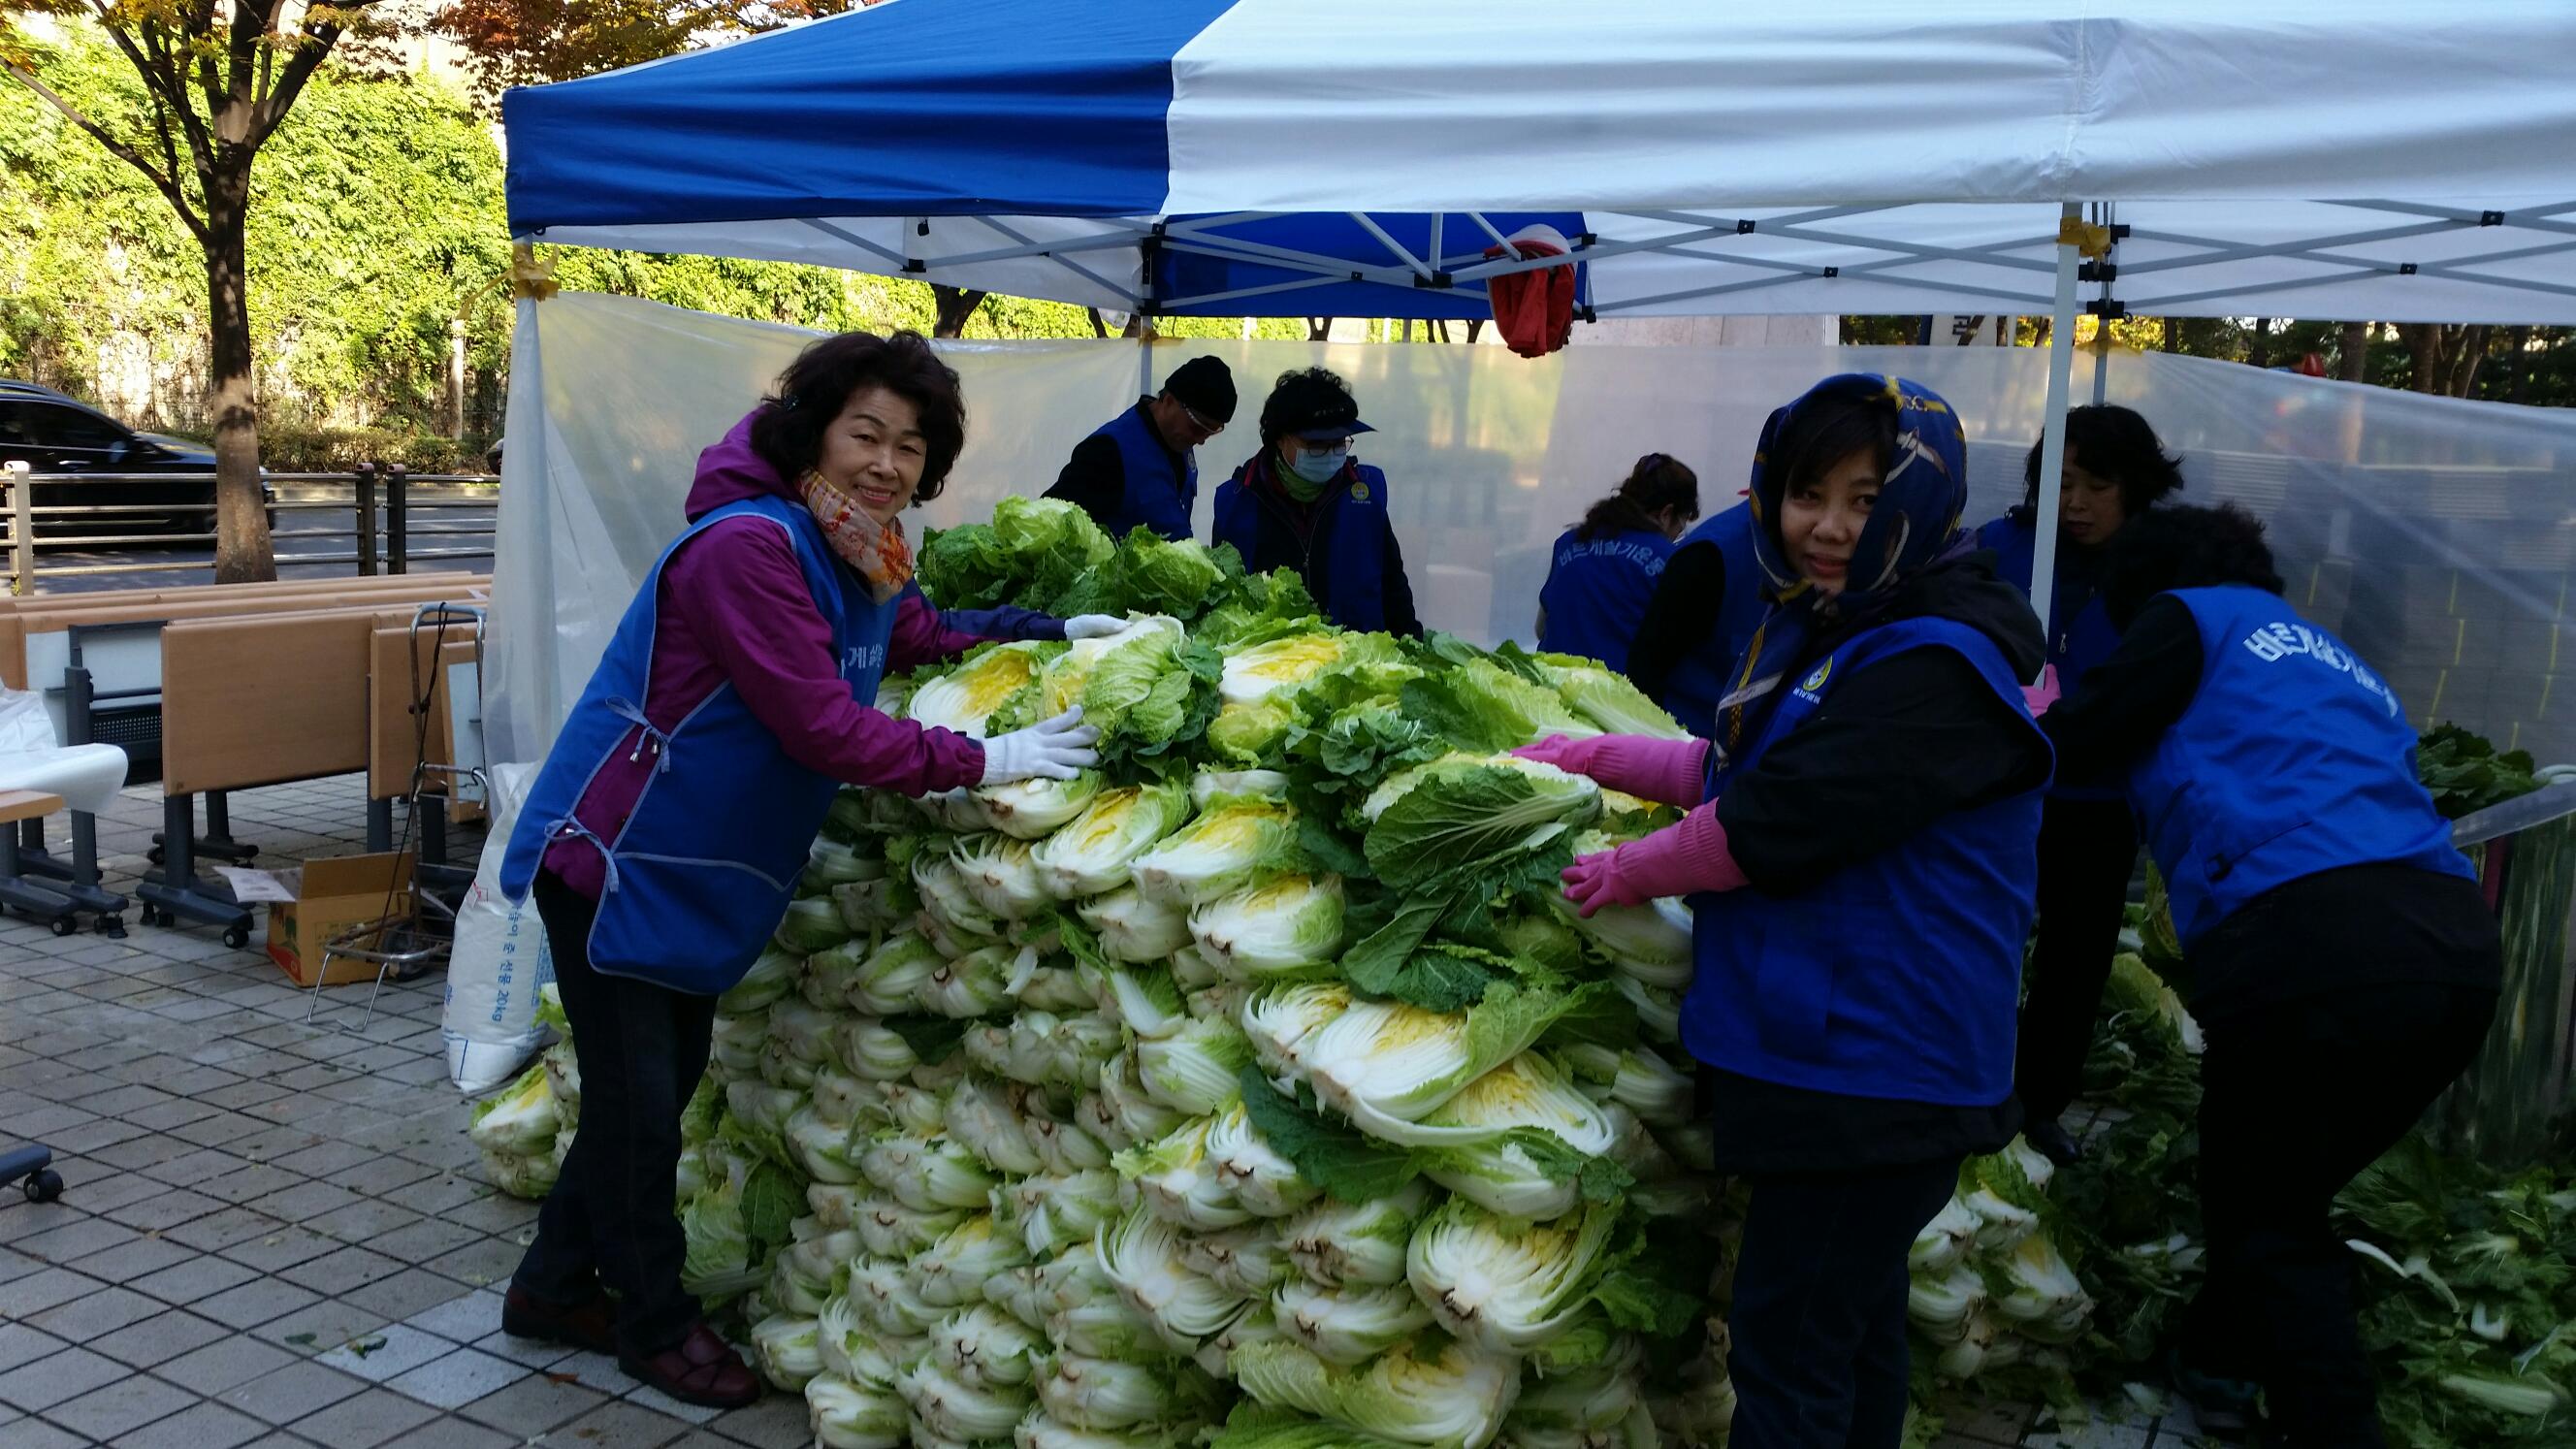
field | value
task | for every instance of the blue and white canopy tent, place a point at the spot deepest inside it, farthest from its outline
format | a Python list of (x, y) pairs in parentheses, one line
[(2373, 159)]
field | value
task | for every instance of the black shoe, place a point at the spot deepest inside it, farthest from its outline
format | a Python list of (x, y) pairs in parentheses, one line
[(2053, 1142), (2226, 1408), (590, 1324)]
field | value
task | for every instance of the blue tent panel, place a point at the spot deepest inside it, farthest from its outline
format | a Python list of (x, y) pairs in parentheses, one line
[(775, 127), (1181, 275)]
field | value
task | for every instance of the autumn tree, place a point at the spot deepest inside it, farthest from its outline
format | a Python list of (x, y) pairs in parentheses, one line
[(219, 76)]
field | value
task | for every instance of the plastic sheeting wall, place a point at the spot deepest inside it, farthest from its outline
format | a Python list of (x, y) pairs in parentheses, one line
[(2437, 536)]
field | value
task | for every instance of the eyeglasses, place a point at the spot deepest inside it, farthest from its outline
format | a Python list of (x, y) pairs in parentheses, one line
[(1200, 423)]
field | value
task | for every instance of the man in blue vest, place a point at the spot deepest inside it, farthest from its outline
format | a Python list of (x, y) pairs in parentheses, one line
[(1137, 469), (1305, 504), (2344, 965)]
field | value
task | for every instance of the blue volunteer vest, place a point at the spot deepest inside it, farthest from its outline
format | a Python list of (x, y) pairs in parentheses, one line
[(700, 874), (2080, 631), (1350, 580), (2293, 758), (1899, 976), (1150, 494), (1706, 674), (1596, 593)]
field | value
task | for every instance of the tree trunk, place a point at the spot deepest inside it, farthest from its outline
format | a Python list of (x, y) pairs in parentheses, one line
[(244, 552), (2259, 351), (953, 305), (1475, 329), (2464, 363), (2173, 334), (2352, 352), (1318, 328), (2524, 365), (1098, 327), (2423, 355)]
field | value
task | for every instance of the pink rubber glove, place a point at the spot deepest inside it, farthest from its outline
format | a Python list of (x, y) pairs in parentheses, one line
[(2038, 697), (1668, 772), (1676, 861)]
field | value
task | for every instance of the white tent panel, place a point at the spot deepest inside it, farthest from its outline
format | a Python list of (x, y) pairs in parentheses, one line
[(2439, 536)]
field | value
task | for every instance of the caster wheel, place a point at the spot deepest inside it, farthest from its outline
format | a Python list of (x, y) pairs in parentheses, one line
[(148, 915), (236, 936), (63, 925), (43, 1186), (156, 855), (112, 927)]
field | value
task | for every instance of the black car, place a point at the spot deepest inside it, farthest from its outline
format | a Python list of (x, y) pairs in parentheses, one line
[(52, 432)]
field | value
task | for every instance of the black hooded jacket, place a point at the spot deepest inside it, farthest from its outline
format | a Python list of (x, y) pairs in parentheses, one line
[(1891, 749)]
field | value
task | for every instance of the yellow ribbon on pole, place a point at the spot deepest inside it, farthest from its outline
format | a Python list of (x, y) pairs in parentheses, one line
[(530, 278)]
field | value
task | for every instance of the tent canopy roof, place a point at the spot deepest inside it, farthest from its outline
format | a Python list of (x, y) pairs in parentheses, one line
[(2273, 157)]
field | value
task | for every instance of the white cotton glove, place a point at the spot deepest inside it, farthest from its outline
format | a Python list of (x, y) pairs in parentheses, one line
[(1058, 749), (1092, 626)]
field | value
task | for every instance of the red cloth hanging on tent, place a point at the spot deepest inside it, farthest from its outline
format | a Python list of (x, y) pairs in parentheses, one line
[(1534, 310)]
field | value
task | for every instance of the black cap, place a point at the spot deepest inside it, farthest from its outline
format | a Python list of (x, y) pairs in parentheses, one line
[(1311, 404), (1204, 386)]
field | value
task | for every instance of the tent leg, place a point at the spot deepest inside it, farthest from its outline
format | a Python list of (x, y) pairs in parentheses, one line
[(1145, 360), (2052, 446)]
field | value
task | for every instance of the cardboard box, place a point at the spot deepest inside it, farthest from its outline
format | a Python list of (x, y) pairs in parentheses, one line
[(327, 897)]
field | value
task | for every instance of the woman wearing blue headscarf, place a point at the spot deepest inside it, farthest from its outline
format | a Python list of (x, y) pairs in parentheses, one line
[(1860, 853)]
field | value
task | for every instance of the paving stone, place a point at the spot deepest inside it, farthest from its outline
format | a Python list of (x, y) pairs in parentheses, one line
[(116, 1409), (453, 1434), (320, 1327), (293, 1392), (481, 1264), (157, 1339), (534, 1353), (30, 1434), (388, 1353), (136, 1260), (439, 1196), (776, 1422), (77, 1239), (661, 1403), (406, 1293), (86, 1138), (20, 1344), (217, 1231), (122, 1101), (103, 1195), (282, 1249), (197, 1169), (203, 1426), (262, 1300), (218, 1130), (165, 1210), (51, 1380), (424, 1240), (461, 1320), (37, 1292), (364, 1221), (30, 1219), (197, 1278), (624, 1425), (93, 1314), (224, 1364), (305, 1201), (337, 1273), (324, 1158), (381, 1176), (41, 1121), (15, 1265), (247, 1181), (176, 1111), (454, 1380), (365, 1420)]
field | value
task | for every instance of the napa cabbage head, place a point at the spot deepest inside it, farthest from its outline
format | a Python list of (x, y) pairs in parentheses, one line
[(1001, 873), (1348, 1326), (1287, 925), (1396, 1060), (1605, 698), (969, 695), (1436, 1392), (1280, 1021), (788, 1349), (1034, 809), (1356, 1245), (1097, 850), (1503, 1284), (1133, 927), (1234, 840), (1250, 732), (1283, 664), (1463, 811), (1142, 1256)]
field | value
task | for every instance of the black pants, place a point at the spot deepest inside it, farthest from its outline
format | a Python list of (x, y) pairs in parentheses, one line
[(1818, 1324), (2298, 1097), (610, 1219), (2087, 850)]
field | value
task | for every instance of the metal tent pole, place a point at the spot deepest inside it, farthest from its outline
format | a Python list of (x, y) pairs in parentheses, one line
[(2061, 370)]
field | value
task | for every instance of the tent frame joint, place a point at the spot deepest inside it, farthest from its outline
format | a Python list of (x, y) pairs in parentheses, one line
[(1440, 280)]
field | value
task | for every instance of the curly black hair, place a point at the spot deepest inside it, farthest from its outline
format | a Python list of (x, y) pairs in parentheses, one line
[(2184, 548), (1659, 481), (2116, 443), (788, 432)]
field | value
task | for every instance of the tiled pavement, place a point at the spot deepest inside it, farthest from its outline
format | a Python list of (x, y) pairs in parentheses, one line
[(273, 1232)]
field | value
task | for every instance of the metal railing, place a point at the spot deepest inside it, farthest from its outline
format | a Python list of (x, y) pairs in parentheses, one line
[(372, 507)]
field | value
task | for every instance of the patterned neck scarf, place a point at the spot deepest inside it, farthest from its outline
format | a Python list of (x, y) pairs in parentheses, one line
[(876, 551)]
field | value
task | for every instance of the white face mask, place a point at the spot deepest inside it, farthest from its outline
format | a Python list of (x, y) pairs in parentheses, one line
[(1320, 467)]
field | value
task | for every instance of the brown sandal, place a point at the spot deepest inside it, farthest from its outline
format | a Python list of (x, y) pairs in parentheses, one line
[(590, 1324), (700, 1369)]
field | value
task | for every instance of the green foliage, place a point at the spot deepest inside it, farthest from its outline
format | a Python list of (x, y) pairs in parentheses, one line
[(2466, 773)]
